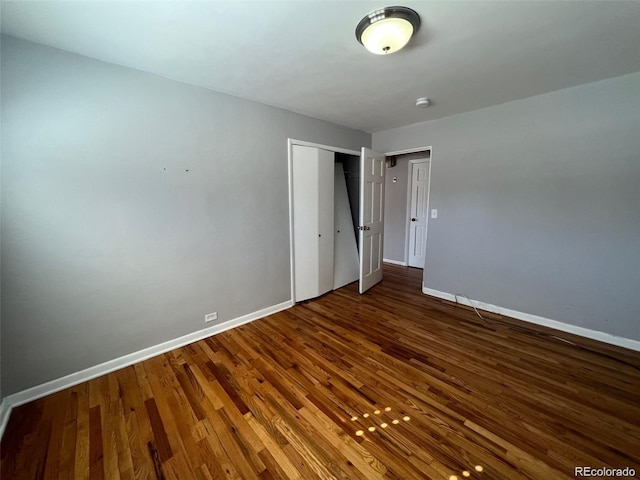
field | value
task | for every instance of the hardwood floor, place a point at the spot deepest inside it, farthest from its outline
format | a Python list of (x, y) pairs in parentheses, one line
[(391, 384)]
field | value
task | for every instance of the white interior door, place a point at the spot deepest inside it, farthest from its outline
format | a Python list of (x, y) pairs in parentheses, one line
[(371, 226), (418, 213)]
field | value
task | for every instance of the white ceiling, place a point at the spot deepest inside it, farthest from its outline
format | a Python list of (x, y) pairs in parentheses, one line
[(303, 55)]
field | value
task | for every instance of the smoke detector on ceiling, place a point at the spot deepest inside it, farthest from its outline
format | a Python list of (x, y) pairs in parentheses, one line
[(423, 102)]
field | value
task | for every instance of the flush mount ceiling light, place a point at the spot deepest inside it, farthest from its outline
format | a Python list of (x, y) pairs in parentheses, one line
[(387, 30)]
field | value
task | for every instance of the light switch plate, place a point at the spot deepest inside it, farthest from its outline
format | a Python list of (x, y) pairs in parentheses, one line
[(434, 213)]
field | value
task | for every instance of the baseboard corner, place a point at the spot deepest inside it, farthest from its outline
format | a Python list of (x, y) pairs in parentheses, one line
[(5, 413)]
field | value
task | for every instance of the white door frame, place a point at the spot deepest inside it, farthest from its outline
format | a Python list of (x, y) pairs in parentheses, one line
[(428, 151), (408, 219), (409, 150), (290, 143)]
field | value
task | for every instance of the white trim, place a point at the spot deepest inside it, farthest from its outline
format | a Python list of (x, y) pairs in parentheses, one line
[(437, 293), (394, 262), (293, 141), (546, 322), (292, 275), (5, 412), (409, 150), (90, 373)]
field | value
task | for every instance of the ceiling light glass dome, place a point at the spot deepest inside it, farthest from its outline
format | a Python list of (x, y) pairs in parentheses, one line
[(387, 30)]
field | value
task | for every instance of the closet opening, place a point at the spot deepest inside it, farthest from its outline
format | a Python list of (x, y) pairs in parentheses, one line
[(351, 167), (336, 216)]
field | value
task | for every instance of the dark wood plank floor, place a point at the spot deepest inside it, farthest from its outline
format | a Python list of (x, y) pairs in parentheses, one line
[(391, 384)]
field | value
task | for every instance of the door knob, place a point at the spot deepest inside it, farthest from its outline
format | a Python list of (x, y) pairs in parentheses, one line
[(367, 228), (413, 219)]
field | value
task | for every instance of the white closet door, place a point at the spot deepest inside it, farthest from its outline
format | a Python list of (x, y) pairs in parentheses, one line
[(326, 161), (312, 176), (345, 249)]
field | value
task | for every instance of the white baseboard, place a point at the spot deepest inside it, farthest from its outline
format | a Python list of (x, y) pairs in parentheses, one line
[(394, 262), (90, 373), (5, 412), (546, 322)]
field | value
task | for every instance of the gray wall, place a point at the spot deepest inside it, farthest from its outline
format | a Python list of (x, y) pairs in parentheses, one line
[(109, 244), (539, 204), (395, 211), (1, 396), (1, 391)]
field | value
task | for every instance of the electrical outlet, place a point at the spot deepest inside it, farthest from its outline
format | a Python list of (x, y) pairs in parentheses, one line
[(210, 317)]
